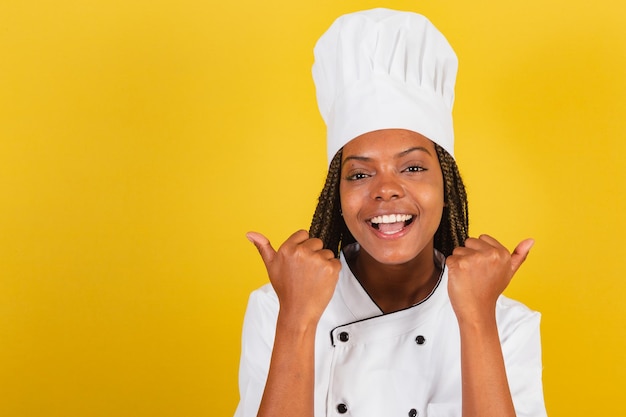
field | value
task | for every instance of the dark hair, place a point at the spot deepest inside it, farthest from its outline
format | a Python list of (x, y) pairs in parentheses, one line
[(328, 225)]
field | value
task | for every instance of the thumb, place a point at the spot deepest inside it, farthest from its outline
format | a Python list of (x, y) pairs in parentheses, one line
[(520, 253), (263, 245)]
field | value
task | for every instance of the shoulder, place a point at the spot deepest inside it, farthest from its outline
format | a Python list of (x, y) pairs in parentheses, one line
[(513, 309), (513, 317), (265, 291), (263, 299), (260, 319)]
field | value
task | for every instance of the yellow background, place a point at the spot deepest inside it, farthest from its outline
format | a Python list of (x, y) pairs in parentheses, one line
[(140, 140)]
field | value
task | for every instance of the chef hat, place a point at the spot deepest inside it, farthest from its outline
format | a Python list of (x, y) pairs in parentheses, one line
[(384, 69)]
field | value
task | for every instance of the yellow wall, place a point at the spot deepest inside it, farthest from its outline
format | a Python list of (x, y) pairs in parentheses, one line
[(140, 140)]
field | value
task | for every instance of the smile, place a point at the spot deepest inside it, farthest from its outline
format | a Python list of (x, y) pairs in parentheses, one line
[(389, 224)]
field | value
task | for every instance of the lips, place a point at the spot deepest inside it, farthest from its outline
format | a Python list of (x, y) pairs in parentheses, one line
[(390, 224)]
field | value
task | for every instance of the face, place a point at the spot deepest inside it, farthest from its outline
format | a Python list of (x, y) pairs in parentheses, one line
[(392, 194)]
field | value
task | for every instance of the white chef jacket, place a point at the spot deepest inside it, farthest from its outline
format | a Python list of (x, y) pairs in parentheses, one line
[(406, 363)]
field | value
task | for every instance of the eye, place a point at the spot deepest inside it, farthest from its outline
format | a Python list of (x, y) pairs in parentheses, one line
[(354, 176), (415, 168)]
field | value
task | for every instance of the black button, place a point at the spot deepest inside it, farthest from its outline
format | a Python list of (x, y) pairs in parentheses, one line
[(420, 340), (344, 337), (342, 408), (413, 412)]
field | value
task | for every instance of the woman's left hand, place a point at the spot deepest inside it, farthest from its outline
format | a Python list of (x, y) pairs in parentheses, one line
[(479, 272)]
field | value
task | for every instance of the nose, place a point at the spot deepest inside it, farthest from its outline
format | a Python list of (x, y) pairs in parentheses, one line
[(386, 187)]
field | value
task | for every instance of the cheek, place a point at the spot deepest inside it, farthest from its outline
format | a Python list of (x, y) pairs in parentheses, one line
[(439, 202), (351, 203), (429, 199), (436, 201), (348, 202), (437, 196), (434, 191)]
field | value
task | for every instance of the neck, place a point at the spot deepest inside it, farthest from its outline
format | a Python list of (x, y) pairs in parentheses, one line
[(399, 286)]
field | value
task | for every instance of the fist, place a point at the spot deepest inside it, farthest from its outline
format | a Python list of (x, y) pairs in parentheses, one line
[(479, 272), (302, 273)]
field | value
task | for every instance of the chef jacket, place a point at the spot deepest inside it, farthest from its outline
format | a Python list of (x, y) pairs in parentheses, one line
[(406, 363)]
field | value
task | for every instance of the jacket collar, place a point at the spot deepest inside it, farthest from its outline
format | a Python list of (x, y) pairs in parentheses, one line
[(361, 305)]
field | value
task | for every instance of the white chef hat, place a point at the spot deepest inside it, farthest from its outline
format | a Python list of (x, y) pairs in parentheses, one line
[(384, 69)]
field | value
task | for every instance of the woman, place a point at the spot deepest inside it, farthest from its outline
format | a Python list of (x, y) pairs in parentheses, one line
[(387, 308)]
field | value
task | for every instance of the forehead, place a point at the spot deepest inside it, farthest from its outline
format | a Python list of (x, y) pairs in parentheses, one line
[(381, 143)]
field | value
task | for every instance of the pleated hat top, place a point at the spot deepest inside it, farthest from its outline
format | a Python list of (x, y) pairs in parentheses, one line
[(385, 69)]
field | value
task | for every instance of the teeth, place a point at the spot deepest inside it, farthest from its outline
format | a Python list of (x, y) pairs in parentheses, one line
[(391, 218)]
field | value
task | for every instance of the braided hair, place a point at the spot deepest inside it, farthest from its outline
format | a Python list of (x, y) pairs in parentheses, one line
[(328, 224)]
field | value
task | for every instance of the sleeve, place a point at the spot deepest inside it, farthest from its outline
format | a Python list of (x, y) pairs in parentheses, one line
[(521, 348), (257, 340)]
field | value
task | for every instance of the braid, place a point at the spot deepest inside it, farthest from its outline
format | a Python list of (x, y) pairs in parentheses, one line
[(328, 225), (453, 229)]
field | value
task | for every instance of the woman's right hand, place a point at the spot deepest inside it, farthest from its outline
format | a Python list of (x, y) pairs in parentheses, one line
[(303, 274)]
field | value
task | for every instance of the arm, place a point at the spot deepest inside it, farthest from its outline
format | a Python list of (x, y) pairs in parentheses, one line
[(485, 386), (290, 382), (304, 276), (478, 273)]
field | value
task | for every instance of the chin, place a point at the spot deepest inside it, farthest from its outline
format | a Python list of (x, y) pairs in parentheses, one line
[(393, 257), (398, 251)]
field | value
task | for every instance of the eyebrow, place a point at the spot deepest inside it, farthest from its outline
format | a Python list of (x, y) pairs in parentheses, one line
[(399, 155)]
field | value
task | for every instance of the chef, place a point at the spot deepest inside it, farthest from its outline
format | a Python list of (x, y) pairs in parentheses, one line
[(386, 306)]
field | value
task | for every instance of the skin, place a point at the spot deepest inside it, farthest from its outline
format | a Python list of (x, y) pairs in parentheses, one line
[(389, 171), (393, 172)]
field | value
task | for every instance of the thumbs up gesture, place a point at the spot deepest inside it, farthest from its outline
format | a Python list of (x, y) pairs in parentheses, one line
[(479, 272), (302, 272)]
